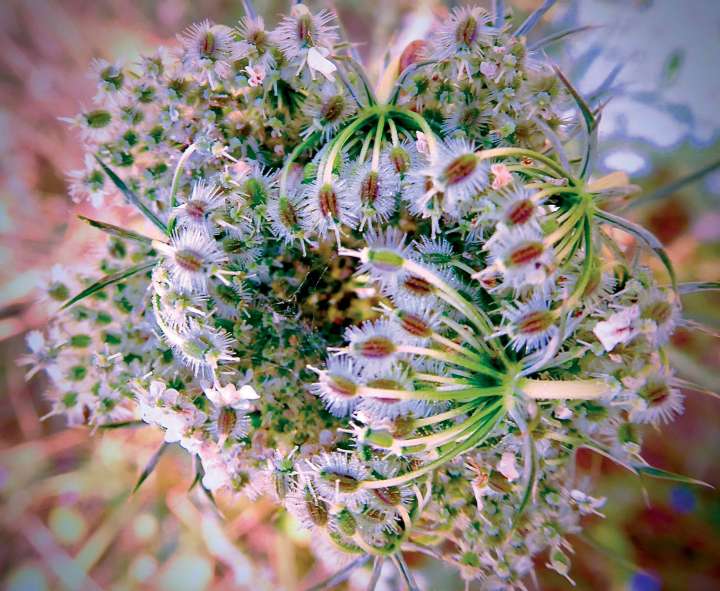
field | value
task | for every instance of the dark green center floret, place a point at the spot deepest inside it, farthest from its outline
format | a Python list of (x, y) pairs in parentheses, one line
[(208, 44), (344, 482), (333, 109), (189, 260), (467, 31), (328, 201), (460, 168)]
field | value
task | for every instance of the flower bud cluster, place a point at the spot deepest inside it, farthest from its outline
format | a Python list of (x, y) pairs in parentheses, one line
[(398, 320)]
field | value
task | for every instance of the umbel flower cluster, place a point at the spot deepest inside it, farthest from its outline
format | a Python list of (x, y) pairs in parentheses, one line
[(399, 316)]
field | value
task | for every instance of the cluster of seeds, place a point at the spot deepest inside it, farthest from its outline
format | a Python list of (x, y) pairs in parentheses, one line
[(399, 318)]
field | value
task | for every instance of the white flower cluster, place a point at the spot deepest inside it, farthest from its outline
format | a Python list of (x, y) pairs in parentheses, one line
[(399, 319)]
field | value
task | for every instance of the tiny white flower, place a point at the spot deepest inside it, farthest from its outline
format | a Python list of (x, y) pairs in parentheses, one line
[(35, 341), (248, 393), (216, 474), (506, 466), (230, 395), (318, 62), (587, 504), (618, 328)]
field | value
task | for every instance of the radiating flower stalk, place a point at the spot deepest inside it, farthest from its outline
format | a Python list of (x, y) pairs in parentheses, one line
[(435, 399)]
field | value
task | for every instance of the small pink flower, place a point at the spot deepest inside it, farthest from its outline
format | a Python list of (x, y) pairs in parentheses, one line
[(488, 69), (503, 177), (241, 169), (257, 75)]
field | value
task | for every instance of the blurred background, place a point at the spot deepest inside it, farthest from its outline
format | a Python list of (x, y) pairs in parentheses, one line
[(67, 518)]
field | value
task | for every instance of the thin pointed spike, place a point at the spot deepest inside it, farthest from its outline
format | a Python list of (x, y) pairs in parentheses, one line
[(555, 37), (703, 328), (591, 124), (116, 231), (199, 474), (598, 448), (499, 12), (376, 572), (404, 571), (121, 425), (606, 84), (534, 18), (340, 576), (642, 469), (660, 474), (609, 552), (108, 280), (644, 236), (249, 9), (196, 480), (686, 385), (698, 286), (131, 197), (349, 87), (585, 109), (362, 75), (555, 142), (150, 466), (673, 187), (529, 470)]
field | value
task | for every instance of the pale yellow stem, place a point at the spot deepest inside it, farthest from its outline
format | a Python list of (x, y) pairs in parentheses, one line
[(564, 389)]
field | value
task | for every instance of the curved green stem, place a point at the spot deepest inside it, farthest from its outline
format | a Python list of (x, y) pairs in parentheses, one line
[(549, 162), (474, 440), (393, 133), (178, 171), (340, 140), (469, 393), (460, 361), (465, 333), (401, 79), (569, 222), (365, 148), (360, 71), (588, 263), (446, 416), (446, 435), (294, 155), (378, 143), (453, 297), (463, 267), (421, 123)]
